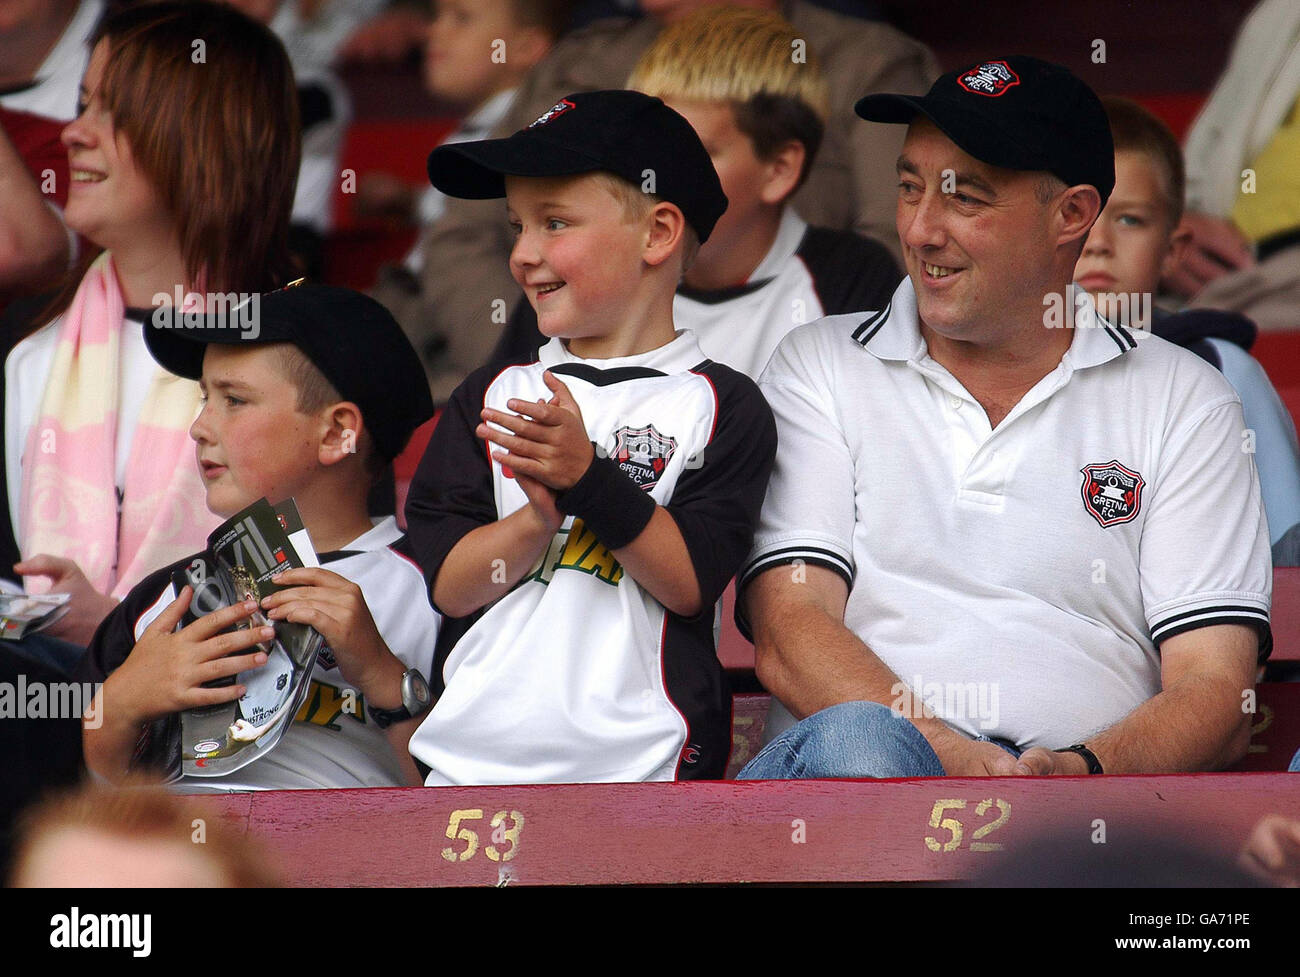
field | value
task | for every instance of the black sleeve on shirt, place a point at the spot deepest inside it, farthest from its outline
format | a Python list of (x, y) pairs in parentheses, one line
[(115, 636), (452, 493), (850, 273), (716, 503), (158, 748)]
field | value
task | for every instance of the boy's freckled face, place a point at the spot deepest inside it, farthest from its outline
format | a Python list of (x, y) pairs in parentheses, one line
[(576, 255), (1130, 240), (250, 439)]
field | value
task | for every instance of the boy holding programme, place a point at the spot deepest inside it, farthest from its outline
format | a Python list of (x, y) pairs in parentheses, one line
[(312, 407)]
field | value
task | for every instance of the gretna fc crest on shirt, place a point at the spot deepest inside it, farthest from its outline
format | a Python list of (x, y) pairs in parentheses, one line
[(643, 453), (992, 78), (559, 108), (1111, 493)]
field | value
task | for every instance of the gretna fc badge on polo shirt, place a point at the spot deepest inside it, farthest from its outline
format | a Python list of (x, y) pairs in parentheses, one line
[(992, 78), (643, 453), (1111, 493)]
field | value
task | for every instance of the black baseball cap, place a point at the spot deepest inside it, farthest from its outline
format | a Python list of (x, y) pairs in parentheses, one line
[(1017, 112), (631, 135), (352, 339)]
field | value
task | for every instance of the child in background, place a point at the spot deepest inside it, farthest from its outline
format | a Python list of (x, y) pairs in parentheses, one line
[(1133, 240), (580, 513), (311, 408), (476, 53), (761, 115)]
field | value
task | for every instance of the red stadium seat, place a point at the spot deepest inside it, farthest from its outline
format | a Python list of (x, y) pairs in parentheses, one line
[(1279, 353), (405, 464), (795, 831), (798, 831), (1177, 109), (1285, 614)]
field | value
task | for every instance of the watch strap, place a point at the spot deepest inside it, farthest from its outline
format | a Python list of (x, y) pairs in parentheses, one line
[(1094, 765), (416, 699)]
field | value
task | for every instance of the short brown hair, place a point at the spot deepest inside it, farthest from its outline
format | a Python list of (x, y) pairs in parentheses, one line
[(1135, 129), (315, 393), (750, 59), (636, 203), (141, 811)]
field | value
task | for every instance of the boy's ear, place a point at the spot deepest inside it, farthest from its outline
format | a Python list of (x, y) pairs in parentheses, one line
[(342, 434), (783, 171), (1179, 241), (666, 228)]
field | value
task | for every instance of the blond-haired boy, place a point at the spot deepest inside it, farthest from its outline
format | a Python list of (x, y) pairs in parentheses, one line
[(756, 95), (758, 101), (577, 516)]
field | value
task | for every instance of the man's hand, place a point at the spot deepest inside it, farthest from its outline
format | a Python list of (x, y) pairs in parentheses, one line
[(1214, 248), (166, 670), (548, 443), (88, 606), (964, 757), (1038, 762), (335, 607), (1272, 852)]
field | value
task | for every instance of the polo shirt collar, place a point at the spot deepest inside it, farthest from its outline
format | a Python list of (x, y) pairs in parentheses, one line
[(894, 333), (1096, 340)]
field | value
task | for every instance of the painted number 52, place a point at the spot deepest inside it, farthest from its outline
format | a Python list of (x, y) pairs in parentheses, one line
[(954, 826)]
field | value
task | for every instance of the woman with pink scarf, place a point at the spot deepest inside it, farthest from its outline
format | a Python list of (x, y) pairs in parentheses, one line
[(183, 159)]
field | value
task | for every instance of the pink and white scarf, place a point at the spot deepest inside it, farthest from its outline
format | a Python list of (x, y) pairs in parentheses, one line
[(69, 504)]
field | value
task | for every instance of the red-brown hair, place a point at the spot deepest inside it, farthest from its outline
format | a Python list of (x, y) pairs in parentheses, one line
[(214, 126), (206, 98)]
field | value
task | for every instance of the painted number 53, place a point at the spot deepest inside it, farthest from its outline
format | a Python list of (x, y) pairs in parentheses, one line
[(458, 829)]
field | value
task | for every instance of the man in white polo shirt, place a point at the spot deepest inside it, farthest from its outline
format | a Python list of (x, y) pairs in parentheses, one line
[(995, 544)]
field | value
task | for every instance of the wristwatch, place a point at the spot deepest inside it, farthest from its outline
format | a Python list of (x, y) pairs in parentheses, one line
[(1094, 765), (416, 699)]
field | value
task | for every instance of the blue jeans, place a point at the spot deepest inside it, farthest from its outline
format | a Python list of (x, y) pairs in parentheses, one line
[(852, 739), (1295, 763)]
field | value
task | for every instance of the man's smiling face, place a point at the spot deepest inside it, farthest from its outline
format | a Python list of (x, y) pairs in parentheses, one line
[(977, 242)]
